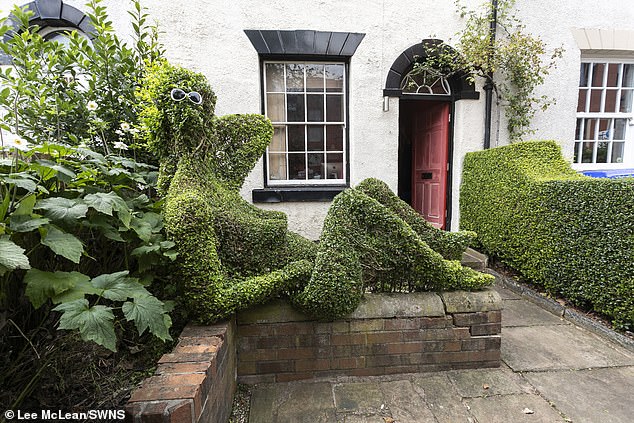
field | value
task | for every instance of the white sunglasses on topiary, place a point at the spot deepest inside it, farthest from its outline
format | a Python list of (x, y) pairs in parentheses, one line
[(179, 95)]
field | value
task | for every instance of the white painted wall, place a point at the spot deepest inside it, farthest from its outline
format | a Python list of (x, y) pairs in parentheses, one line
[(207, 35)]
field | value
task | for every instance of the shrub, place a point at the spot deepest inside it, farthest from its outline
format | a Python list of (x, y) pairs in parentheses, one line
[(366, 246), (83, 231), (572, 234), (83, 92)]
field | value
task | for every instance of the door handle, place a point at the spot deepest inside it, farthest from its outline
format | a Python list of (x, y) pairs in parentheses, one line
[(426, 175)]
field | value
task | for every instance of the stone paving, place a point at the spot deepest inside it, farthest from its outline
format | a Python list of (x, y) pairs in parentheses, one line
[(552, 371)]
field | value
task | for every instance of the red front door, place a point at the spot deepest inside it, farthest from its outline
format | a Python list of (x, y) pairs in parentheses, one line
[(430, 142)]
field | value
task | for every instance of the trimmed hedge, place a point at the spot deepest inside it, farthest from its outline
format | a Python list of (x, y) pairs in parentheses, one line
[(366, 246), (572, 234)]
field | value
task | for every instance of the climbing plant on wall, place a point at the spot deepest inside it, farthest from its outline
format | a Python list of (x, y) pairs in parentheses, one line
[(504, 55)]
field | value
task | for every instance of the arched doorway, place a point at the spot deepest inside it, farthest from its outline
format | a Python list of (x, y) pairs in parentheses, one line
[(426, 109)]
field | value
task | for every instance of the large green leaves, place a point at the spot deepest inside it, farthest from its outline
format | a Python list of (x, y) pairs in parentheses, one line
[(40, 285), (108, 202), (12, 256), (118, 286), (63, 244), (94, 323), (64, 209), (148, 312)]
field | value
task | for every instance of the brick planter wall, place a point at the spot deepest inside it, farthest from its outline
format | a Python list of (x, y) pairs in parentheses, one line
[(194, 383), (387, 334)]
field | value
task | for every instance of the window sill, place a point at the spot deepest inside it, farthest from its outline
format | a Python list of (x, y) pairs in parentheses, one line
[(295, 194)]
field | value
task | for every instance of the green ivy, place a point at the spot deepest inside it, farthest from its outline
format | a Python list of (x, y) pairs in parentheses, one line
[(518, 61), (572, 234)]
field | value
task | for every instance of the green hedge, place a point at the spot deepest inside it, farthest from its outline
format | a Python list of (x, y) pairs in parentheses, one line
[(572, 234)]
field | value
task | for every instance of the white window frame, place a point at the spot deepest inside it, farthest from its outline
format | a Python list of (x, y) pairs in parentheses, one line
[(628, 152), (344, 124)]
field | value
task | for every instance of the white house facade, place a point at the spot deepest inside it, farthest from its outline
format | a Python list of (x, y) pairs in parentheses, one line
[(329, 74)]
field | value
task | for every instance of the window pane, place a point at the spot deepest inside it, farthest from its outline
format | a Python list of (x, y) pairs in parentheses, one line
[(294, 77), (588, 130), (277, 166), (278, 143), (613, 75), (578, 133), (334, 78), (581, 103), (315, 138), (297, 166), (586, 156), (597, 74), (626, 101), (316, 166), (274, 77), (604, 129), (296, 138), (334, 138), (585, 72), (617, 152), (334, 108), (576, 159), (602, 152), (315, 105), (628, 75), (610, 101), (315, 78), (619, 129), (334, 166), (295, 107), (275, 107), (595, 100)]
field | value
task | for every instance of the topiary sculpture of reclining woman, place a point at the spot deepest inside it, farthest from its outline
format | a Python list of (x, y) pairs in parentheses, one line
[(233, 255)]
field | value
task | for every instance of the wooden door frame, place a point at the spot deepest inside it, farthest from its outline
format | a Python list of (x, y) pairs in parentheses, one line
[(408, 102)]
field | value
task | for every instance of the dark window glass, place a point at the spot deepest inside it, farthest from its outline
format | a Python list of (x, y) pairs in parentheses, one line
[(295, 108)]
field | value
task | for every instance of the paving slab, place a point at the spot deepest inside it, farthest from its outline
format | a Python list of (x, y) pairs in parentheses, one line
[(442, 399), (296, 402), (525, 313), (488, 382), (511, 408), (360, 398), (590, 396), (506, 294), (405, 403), (553, 347)]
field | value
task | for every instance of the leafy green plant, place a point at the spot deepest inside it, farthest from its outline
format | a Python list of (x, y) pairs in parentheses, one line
[(83, 231), (571, 234), (82, 92), (512, 60)]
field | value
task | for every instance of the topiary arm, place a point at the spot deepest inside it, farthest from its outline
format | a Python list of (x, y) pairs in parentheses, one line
[(241, 141), (450, 245)]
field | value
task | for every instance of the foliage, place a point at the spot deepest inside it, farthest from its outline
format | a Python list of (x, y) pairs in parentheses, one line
[(82, 231), (512, 60), (572, 234), (450, 245), (232, 255), (83, 92), (380, 247)]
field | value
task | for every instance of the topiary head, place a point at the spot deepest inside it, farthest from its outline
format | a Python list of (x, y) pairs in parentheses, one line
[(177, 110)]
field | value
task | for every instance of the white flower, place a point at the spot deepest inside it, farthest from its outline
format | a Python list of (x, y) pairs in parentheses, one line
[(19, 143), (118, 132), (120, 145), (92, 106), (125, 126)]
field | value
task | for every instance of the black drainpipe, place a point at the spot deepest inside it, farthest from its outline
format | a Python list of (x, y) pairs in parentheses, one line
[(488, 87)]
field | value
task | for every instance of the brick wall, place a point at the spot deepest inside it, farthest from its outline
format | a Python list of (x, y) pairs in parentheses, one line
[(194, 383), (388, 334)]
